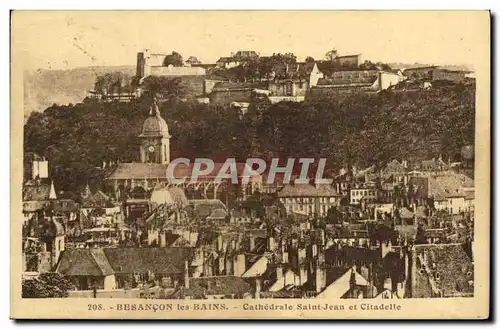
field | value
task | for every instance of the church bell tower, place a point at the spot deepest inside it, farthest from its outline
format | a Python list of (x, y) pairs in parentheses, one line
[(155, 139)]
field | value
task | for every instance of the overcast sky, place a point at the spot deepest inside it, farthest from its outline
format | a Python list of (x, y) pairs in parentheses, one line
[(58, 40)]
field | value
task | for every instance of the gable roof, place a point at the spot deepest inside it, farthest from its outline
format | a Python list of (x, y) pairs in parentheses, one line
[(84, 262), (343, 284), (293, 70), (452, 265), (36, 192), (98, 199), (140, 260), (33, 206), (106, 261), (442, 187), (394, 167), (65, 205)]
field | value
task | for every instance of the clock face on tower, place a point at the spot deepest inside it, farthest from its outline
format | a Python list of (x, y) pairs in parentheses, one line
[(151, 148)]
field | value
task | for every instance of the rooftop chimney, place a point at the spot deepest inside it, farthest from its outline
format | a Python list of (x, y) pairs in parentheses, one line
[(257, 288), (186, 274)]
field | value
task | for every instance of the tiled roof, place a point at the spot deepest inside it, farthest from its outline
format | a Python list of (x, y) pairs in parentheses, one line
[(64, 206), (227, 86), (307, 190), (405, 213), (217, 285), (140, 260), (178, 195), (352, 254), (218, 214), (205, 208), (84, 262), (451, 264), (434, 164), (469, 195), (98, 199), (394, 167), (442, 187), (435, 233), (294, 70), (352, 82), (36, 192), (342, 285), (137, 170), (33, 206)]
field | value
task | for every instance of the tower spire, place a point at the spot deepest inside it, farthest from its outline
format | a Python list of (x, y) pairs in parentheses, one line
[(154, 110)]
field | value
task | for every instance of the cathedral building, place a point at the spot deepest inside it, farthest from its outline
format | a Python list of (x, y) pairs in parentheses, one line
[(135, 180)]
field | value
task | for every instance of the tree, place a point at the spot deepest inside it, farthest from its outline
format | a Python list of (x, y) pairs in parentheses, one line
[(163, 87), (333, 216), (109, 81), (309, 59), (331, 55), (368, 65), (47, 285), (193, 60), (174, 59)]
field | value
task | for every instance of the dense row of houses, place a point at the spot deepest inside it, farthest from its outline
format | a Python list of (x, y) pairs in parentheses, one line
[(187, 248), (401, 230)]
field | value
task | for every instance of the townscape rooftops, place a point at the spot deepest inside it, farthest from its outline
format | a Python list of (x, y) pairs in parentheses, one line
[(106, 261), (448, 186), (342, 285), (434, 164), (98, 199), (451, 265), (140, 260), (39, 192), (178, 195), (361, 81), (293, 70), (84, 262), (307, 190), (418, 68), (405, 213), (65, 205), (352, 254), (394, 167), (137, 170), (33, 206)]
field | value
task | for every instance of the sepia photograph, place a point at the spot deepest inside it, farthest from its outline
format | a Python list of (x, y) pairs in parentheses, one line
[(250, 164)]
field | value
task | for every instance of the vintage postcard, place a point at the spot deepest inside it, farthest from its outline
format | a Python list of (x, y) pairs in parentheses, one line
[(250, 164)]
